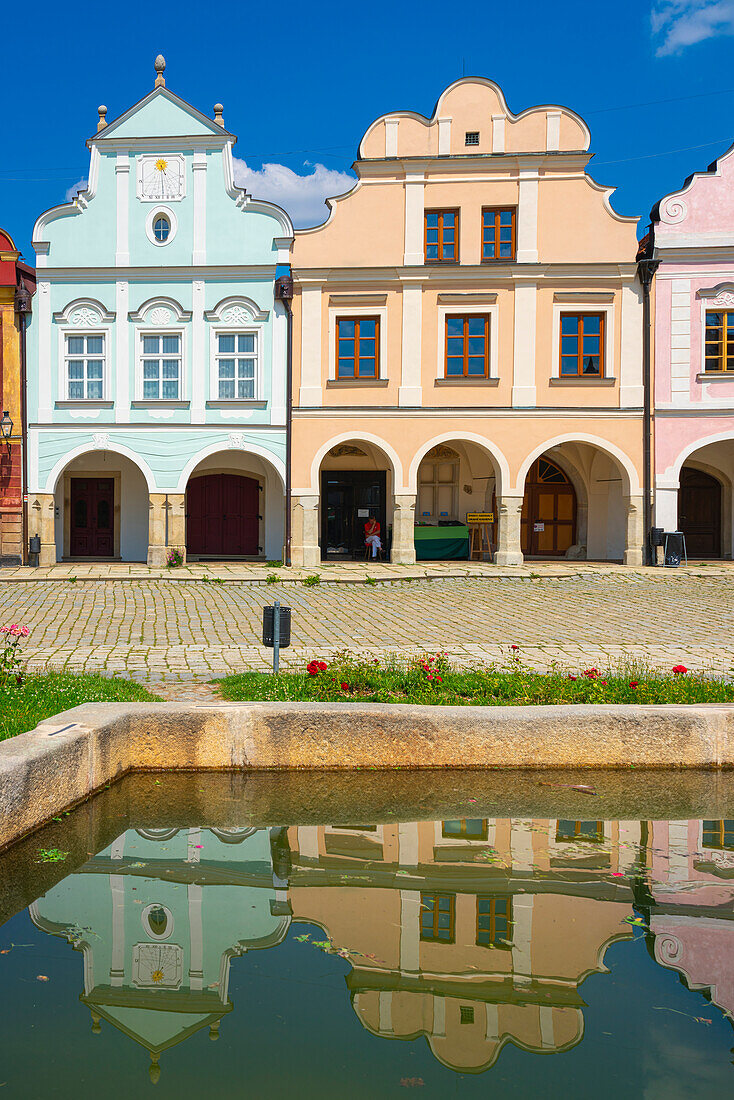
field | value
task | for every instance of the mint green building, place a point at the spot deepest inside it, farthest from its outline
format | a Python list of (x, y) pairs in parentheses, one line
[(157, 351)]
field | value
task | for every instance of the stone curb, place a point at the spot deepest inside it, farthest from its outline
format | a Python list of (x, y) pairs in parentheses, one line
[(68, 757)]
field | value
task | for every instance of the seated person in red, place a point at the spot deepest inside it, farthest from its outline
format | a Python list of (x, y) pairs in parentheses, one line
[(372, 535)]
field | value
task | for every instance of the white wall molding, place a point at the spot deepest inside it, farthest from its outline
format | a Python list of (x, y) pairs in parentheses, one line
[(391, 137), (414, 213), (200, 363), (527, 217), (121, 370), (122, 176), (410, 392), (631, 388), (444, 136), (553, 131), (498, 133), (310, 391), (523, 367), (198, 168)]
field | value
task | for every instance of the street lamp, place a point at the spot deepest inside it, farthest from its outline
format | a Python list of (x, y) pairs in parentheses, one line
[(6, 426)]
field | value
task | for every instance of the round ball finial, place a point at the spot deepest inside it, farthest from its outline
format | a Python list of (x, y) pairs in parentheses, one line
[(102, 112), (160, 68), (218, 114)]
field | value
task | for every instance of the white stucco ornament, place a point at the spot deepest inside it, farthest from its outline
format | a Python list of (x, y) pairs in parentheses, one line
[(673, 210), (725, 299), (161, 316), (236, 315), (85, 316), (101, 441), (236, 439)]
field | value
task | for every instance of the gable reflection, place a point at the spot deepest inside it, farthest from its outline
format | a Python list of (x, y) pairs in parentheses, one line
[(472, 933)]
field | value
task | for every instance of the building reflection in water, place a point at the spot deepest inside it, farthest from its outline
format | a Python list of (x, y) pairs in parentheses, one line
[(472, 933)]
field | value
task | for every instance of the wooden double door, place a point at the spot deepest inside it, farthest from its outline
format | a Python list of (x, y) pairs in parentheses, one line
[(348, 499), (699, 513), (222, 516), (548, 525), (92, 520)]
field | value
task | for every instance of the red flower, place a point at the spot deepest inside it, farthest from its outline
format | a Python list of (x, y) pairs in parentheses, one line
[(603, 682), (440, 679), (514, 647), (679, 670), (345, 687), (573, 677), (634, 683), (591, 673), (430, 675)]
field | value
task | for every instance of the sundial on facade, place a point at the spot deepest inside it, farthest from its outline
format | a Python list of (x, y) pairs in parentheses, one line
[(161, 177)]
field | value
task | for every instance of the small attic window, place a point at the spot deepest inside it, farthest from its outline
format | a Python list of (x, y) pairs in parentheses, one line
[(161, 228), (471, 137)]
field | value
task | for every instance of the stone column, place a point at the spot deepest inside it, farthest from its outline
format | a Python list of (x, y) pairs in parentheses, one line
[(635, 538), (41, 521), (305, 549), (509, 550), (403, 526), (166, 527)]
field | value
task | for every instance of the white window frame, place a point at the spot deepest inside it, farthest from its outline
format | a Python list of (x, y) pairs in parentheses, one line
[(221, 329), (174, 330), (93, 330), (346, 312), (150, 223), (610, 364), (474, 309)]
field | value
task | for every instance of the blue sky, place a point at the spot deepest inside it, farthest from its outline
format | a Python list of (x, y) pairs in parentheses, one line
[(300, 85)]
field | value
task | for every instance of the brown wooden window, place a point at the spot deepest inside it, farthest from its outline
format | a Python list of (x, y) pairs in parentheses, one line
[(718, 834), (358, 347), (494, 922), (580, 830), (467, 346), (719, 341), (582, 344), (438, 917), (498, 233), (465, 829), (442, 236)]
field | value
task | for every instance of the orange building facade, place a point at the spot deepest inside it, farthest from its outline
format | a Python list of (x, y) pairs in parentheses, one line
[(12, 271), (468, 339)]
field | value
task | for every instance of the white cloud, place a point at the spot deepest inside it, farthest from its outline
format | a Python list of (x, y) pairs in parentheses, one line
[(301, 195), (80, 185), (680, 23)]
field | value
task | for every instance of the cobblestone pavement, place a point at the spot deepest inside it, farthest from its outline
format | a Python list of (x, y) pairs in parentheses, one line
[(175, 635)]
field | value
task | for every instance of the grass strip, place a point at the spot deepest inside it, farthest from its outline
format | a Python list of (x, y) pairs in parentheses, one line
[(41, 696), (433, 679)]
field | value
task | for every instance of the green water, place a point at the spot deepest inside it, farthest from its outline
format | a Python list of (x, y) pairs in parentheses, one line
[(463, 934)]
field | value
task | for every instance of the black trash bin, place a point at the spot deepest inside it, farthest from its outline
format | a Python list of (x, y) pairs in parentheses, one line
[(674, 548), (34, 550)]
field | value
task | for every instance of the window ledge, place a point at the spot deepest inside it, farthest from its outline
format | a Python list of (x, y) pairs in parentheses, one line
[(159, 403), (717, 376), (583, 380), (237, 403), (334, 383), (82, 404), (466, 382)]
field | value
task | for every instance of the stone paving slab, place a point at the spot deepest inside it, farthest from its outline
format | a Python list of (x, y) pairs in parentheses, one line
[(176, 637)]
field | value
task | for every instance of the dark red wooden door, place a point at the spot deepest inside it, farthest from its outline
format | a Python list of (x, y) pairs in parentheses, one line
[(222, 516), (92, 530), (699, 513)]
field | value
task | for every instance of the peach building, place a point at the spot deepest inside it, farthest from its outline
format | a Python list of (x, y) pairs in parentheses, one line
[(454, 928), (468, 338), (692, 241)]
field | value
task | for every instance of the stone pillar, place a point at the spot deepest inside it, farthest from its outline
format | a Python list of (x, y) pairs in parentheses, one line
[(305, 549), (509, 550), (635, 538), (41, 521), (403, 526), (166, 527)]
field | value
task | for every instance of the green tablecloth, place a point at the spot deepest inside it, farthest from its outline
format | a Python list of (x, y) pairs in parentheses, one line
[(441, 543)]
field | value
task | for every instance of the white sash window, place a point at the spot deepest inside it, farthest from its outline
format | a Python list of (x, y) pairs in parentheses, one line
[(84, 358), (236, 366)]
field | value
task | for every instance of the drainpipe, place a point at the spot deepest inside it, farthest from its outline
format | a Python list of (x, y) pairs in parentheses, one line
[(23, 308), (647, 267), (284, 294)]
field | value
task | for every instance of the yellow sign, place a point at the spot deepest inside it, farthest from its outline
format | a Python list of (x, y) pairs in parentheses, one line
[(480, 517)]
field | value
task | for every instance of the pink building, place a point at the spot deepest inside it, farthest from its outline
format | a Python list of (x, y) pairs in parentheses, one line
[(693, 239)]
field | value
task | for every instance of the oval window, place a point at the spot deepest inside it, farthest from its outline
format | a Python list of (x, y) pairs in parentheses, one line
[(161, 228), (157, 920)]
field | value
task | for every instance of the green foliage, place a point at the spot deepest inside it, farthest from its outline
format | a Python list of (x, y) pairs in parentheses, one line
[(51, 855), (313, 579), (276, 564), (370, 580), (23, 706), (433, 679), (272, 578)]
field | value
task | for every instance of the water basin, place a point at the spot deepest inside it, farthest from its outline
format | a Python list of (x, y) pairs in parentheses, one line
[(462, 934)]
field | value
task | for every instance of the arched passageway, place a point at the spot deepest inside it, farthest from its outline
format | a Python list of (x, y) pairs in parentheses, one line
[(548, 522)]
